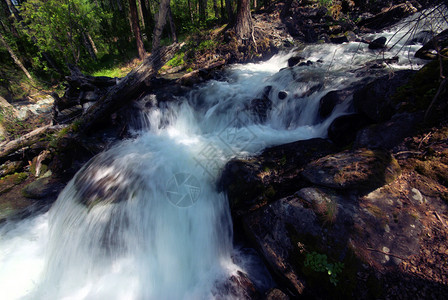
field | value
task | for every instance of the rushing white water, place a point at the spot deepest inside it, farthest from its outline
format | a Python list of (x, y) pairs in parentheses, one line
[(143, 220)]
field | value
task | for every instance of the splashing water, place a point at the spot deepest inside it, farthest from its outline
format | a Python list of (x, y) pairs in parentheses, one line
[(143, 220)]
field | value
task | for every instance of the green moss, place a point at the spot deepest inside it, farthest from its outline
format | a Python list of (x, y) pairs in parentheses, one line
[(433, 168), (9, 181), (177, 60)]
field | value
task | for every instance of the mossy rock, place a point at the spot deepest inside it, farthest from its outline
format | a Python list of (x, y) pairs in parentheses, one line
[(39, 188), (10, 167), (360, 169), (10, 181)]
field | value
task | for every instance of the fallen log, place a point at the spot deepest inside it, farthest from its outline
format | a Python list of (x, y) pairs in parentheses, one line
[(28, 139), (137, 81)]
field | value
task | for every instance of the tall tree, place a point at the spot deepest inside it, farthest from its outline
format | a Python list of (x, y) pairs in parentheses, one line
[(215, 8), (223, 12), (6, 15), (202, 10), (15, 58), (147, 16), (45, 54), (136, 29), (244, 27), (230, 14), (172, 25), (158, 29)]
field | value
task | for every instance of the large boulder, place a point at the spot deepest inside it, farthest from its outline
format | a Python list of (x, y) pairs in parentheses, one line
[(375, 99), (342, 131), (390, 133), (323, 244), (253, 182), (353, 169), (440, 42)]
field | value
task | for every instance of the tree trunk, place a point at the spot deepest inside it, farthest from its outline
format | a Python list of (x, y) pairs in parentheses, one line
[(128, 88), (243, 25), (14, 10), (136, 29), (160, 23), (27, 139), (190, 13), (9, 18), (88, 46), (202, 10), (147, 16), (172, 25), (16, 59), (92, 43), (215, 8), (223, 12), (229, 8), (140, 13)]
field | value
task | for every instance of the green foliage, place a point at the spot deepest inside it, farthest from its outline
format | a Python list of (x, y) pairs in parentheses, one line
[(113, 72), (62, 28), (325, 3), (207, 45), (319, 263), (177, 60)]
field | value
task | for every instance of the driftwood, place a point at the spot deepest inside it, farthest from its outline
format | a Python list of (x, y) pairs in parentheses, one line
[(28, 139), (127, 88)]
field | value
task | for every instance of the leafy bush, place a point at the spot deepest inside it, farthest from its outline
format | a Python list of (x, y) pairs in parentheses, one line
[(319, 263)]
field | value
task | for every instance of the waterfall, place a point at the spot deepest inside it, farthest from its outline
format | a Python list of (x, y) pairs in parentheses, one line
[(143, 220)]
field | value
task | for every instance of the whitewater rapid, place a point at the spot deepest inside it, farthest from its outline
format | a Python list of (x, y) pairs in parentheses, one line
[(143, 220)]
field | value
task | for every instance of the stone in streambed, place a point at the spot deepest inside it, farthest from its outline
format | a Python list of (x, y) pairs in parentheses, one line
[(282, 95), (292, 61), (378, 43)]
